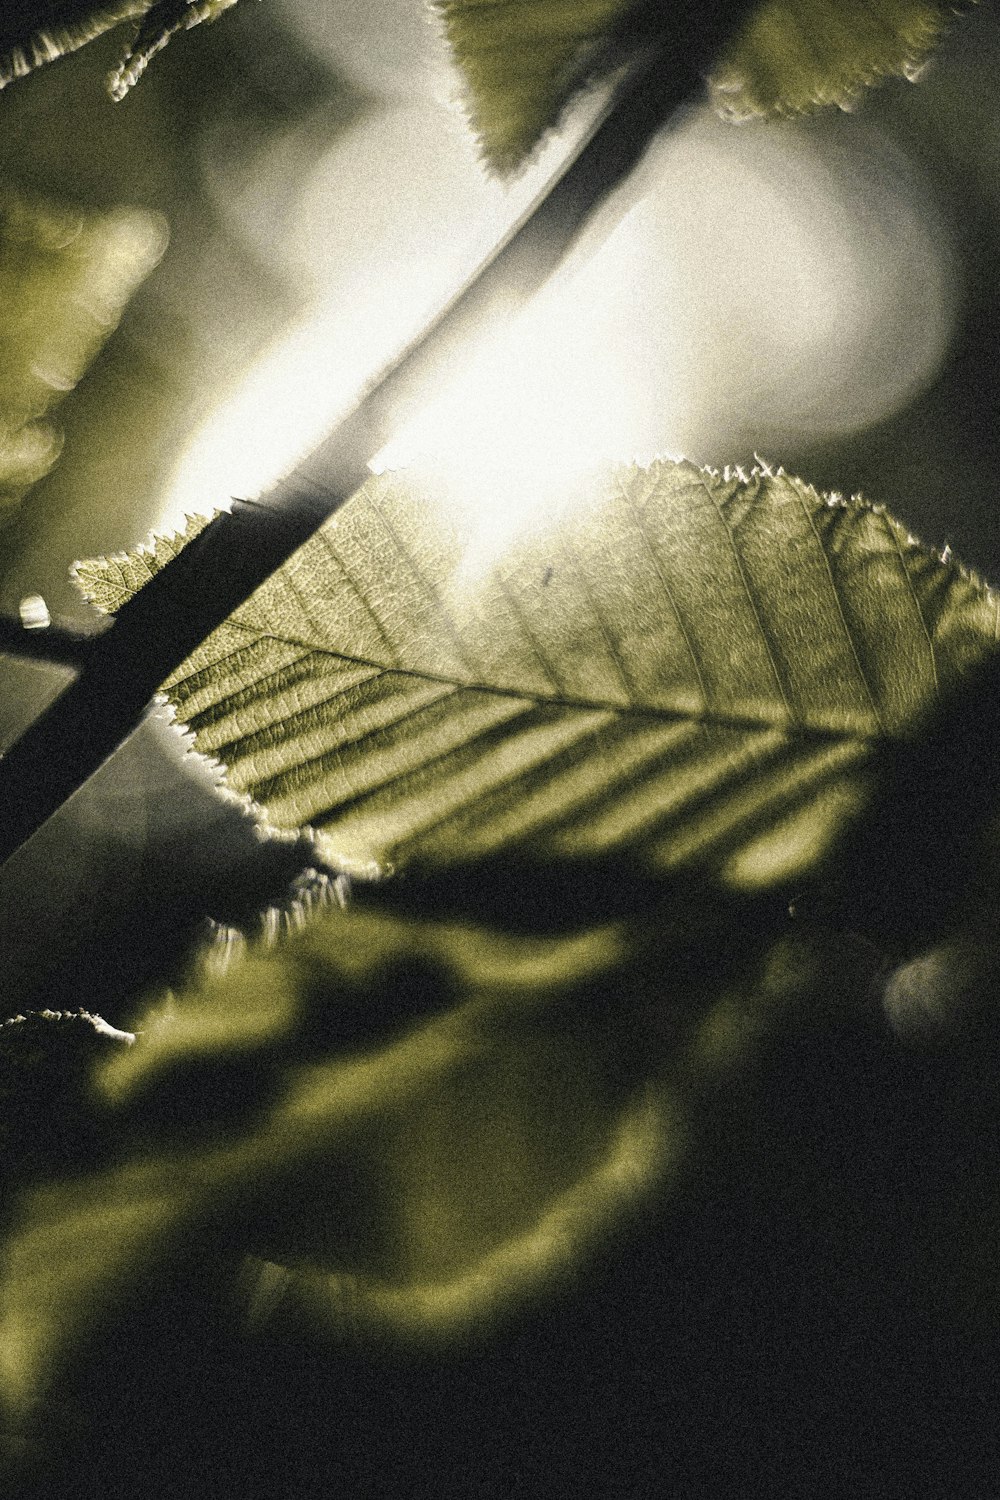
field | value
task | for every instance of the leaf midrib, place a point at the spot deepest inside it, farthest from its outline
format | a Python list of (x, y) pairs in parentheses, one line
[(709, 716)]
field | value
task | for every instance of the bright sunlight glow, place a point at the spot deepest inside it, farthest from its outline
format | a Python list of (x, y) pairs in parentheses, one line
[(512, 440), (720, 312)]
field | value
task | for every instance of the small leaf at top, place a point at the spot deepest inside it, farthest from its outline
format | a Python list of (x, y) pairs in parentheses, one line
[(792, 55), (693, 675), (522, 61)]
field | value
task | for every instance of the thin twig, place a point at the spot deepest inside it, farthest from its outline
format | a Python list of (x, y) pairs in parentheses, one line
[(57, 643), (160, 626)]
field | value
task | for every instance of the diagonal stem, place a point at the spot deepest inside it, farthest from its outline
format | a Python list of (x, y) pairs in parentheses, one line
[(164, 622), (57, 644)]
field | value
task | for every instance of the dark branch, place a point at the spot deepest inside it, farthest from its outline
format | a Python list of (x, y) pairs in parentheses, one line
[(160, 626), (60, 645)]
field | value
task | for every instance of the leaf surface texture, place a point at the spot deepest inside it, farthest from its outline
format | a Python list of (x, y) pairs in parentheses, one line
[(523, 60), (792, 55), (694, 672)]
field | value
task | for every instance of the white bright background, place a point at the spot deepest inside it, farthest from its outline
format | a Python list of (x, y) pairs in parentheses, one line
[(763, 284)]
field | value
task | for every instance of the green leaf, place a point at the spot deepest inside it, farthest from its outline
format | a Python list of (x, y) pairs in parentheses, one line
[(792, 55), (160, 21), (523, 60), (65, 277), (43, 30), (572, 1071), (694, 674)]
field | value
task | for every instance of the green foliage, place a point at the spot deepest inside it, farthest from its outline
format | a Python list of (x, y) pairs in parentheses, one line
[(360, 1131), (213, 306), (65, 276), (791, 55), (694, 674), (524, 60), (297, 1113), (44, 30), (158, 24)]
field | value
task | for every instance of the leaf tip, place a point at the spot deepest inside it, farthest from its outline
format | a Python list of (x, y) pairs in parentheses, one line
[(160, 21), (523, 64)]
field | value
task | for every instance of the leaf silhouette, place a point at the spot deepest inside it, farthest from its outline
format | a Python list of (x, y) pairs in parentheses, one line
[(694, 674), (65, 276), (792, 55)]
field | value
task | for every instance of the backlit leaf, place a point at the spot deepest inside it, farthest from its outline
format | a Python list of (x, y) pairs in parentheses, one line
[(522, 60), (791, 55), (65, 277), (692, 674), (43, 30)]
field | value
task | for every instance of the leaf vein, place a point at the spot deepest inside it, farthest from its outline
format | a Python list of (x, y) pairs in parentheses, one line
[(429, 593), (711, 715), (598, 614), (667, 591), (894, 534), (835, 590), (362, 599), (762, 630)]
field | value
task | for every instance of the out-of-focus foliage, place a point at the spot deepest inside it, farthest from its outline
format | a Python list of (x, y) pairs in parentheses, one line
[(47, 1055), (389, 1130), (158, 24), (65, 276), (524, 60), (43, 30), (694, 671), (207, 112), (792, 55)]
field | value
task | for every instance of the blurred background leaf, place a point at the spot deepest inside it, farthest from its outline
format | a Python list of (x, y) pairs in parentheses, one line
[(302, 1108), (816, 1312), (65, 277), (40, 31), (802, 1270), (209, 309), (212, 305)]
